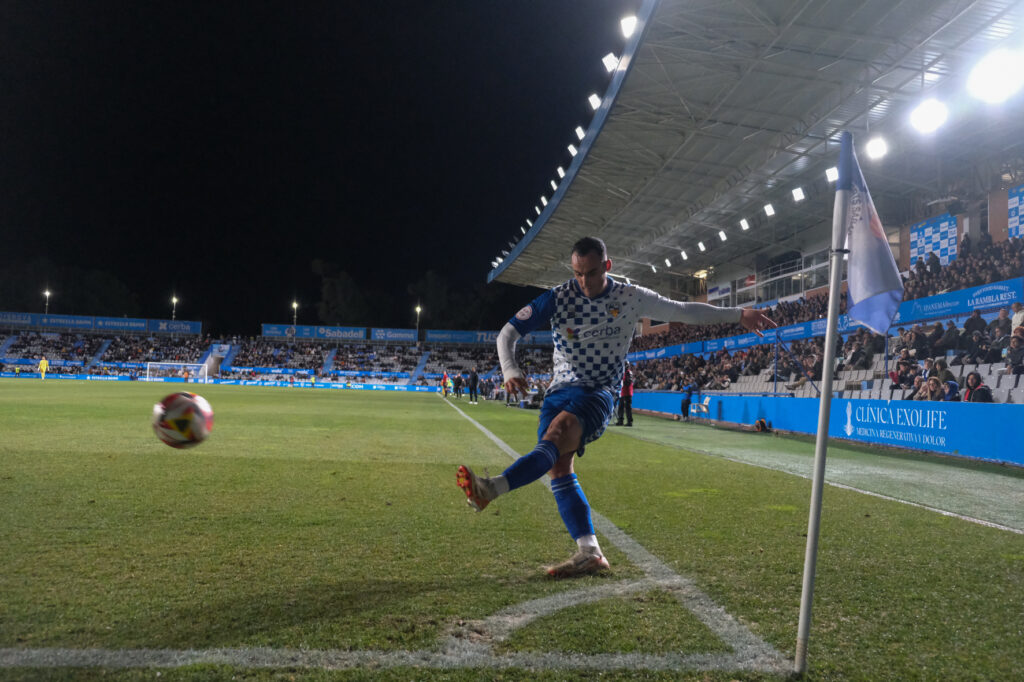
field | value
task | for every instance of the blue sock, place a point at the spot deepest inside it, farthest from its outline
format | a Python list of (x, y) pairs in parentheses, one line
[(532, 465), (573, 506)]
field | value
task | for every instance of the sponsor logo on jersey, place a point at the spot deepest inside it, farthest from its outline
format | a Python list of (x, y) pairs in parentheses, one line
[(576, 335), (525, 313)]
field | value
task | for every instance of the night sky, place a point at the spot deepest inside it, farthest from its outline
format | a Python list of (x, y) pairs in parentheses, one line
[(214, 149)]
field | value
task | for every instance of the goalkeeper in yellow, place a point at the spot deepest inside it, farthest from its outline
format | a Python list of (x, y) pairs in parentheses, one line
[(43, 366)]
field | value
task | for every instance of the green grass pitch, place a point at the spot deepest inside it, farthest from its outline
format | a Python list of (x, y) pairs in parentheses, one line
[(329, 520)]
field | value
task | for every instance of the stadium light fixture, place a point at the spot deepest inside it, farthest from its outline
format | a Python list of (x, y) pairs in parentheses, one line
[(668, 263), (537, 209), (522, 229), (610, 61), (572, 150), (769, 210), (683, 254), (722, 235), (798, 194), (504, 252), (494, 263), (554, 185), (418, 311), (700, 245), (832, 174), (744, 224), (560, 171), (295, 312), (499, 259), (595, 101), (876, 148), (543, 200), (46, 307), (998, 76), (628, 25), (174, 306), (529, 222), (929, 116), (580, 133)]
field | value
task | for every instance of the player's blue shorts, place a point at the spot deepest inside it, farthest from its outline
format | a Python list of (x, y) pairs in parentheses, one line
[(592, 407)]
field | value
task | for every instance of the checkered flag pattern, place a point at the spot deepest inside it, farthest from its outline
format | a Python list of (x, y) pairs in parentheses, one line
[(938, 235), (1014, 226)]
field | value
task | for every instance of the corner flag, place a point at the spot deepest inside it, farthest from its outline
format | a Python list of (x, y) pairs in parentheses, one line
[(874, 284)]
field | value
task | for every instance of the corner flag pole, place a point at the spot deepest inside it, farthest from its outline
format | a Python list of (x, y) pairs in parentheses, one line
[(839, 215)]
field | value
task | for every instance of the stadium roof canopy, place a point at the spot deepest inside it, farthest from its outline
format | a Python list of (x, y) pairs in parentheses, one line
[(719, 107)]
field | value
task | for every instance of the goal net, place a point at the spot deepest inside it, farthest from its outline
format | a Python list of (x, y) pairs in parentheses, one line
[(191, 372)]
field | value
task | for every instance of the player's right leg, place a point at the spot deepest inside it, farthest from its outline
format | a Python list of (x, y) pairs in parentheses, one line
[(558, 429)]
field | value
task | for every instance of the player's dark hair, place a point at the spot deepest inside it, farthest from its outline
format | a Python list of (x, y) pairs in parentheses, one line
[(589, 245)]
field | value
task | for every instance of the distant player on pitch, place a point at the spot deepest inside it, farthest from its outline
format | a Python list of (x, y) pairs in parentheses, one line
[(592, 319), (44, 365)]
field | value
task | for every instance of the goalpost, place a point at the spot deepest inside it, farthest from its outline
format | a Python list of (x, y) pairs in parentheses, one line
[(192, 372)]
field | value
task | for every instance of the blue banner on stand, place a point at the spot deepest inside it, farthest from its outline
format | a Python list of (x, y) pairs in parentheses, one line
[(175, 327), (393, 334), (121, 324)]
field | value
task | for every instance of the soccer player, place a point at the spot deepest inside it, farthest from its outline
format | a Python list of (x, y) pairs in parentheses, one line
[(44, 365), (592, 319)]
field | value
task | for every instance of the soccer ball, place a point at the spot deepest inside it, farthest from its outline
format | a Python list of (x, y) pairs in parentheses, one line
[(183, 420)]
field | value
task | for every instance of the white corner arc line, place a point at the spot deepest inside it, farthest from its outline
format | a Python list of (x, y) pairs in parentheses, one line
[(747, 646)]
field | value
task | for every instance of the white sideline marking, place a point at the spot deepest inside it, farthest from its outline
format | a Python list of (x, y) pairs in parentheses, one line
[(834, 484), (469, 644)]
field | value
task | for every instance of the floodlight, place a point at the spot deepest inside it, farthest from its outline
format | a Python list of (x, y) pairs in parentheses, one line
[(499, 259), (554, 185), (997, 76), (522, 229), (295, 304), (929, 115), (744, 224), (876, 148), (543, 200), (580, 133), (628, 25), (700, 245), (610, 62), (832, 174), (572, 150), (595, 102), (769, 210), (798, 194), (529, 222), (668, 263), (722, 235), (537, 209), (504, 252), (560, 171), (683, 254)]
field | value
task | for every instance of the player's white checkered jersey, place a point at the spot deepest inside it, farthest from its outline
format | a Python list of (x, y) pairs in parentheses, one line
[(592, 335)]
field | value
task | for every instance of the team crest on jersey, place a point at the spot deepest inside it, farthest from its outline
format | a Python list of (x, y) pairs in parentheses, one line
[(614, 312), (525, 313), (573, 334)]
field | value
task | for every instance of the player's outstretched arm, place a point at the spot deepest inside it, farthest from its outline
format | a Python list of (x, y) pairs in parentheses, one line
[(755, 321)]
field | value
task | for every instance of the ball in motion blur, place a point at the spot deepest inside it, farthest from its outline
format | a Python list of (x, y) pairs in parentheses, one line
[(183, 420)]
